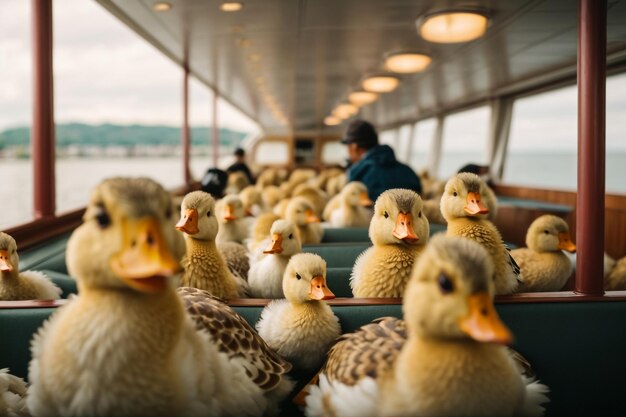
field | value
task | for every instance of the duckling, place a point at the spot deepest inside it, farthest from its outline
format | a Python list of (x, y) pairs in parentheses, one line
[(12, 395), (316, 197), (231, 218), (125, 346), (16, 285), (302, 327), (271, 195), (399, 231), (269, 176), (237, 181), (300, 212), (544, 265), (280, 207), (443, 359), (462, 207), (251, 200), (261, 229), (616, 279), (349, 208), (335, 184), (266, 274), (204, 265), (237, 258)]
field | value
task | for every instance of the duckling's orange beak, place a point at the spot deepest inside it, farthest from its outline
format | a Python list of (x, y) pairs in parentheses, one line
[(5, 261), (276, 245), (311, 217), (145, 262), (319, 290), (482, 322), (229, 213), (474, 205), (565, 242), (364, 200), (404, 228), (189, 222)]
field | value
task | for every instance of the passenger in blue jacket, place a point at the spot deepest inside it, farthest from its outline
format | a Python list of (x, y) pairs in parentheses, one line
[(376, 165)]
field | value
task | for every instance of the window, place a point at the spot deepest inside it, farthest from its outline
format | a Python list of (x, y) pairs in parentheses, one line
[(272, 152), (424, 135), (16, 169), (334, 153), (464, 140), (543, 141), (387, 137), (616, 134), (404, 140)]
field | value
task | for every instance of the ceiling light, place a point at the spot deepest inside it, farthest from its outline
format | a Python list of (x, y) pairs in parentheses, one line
[(231, 6), (380, 83), (361, 98), (244, 42), (407, 62), (452, 26), (161, 6), (254, 57), (332, 121), (345, 110)]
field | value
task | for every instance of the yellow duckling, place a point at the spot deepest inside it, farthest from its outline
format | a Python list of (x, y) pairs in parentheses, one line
[(444, 359), (237, 258), (615, 280), (12, 395), (125, 346), (251, 200), (335, 184), (271, 195), (204, 265), (266, 273), (300, 212), (261, 229), (544, 266), (399, 232), (350, 207), (463, 208), (237, 181), (232, 220), (16, 285), (316, 196), (301, 328)]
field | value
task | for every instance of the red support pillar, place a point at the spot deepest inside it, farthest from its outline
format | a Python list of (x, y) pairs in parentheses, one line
[(42, 134), (185, 132), (216, 132), (591, 146)]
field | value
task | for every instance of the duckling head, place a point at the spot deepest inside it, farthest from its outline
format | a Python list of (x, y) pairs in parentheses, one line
[(9, 260), (549, 233), (398, 219), (355, 194), (463, 197), (450, 294), (229, 208), (197, 216), (285, 239), (305, 279), (127, 239), (301, 212), (250, 196)]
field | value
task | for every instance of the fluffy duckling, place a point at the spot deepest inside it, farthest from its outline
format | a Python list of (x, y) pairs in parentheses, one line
[(252, 202), (399, 231), (444, 359), (271, 195), (261, 229), (125, 346), (237, 181), (335, 184), (350, 207), (12, 395), (316, 197), (463, 208), (232, 220), (300, 212), (266, 273), (16, 285), (302, 327), (237, 258), (544, 265), (615, 280), (204, 265)]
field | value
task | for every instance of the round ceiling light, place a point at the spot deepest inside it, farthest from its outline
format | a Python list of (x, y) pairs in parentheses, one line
[(332, 121), (407, 62), (231, 6), (362, 98), (380, 83), (453, 26), (161, 6), (345, 110)]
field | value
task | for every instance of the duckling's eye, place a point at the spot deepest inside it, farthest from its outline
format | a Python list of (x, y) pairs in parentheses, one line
[(168, 213), (419, 214), (102, 217), (455, 193), (208, 213), (290, 235), (445, 284), (546, 232), (298, 276), (386, 215)]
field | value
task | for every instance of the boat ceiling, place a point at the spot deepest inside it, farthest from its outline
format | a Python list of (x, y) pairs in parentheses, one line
[(309, 54)]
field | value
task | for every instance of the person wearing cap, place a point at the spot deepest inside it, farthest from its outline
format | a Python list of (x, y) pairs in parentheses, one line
[(376, 165), (240, 165)]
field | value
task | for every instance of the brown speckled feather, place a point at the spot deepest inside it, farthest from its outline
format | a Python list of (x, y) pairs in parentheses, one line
[(370, 351), (235, 337)]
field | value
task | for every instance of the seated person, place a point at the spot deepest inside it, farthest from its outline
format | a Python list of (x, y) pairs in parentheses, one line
[(376, 165), (240, 165), (481, 170)]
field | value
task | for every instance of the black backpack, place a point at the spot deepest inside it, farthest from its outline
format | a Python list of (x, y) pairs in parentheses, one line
[(214, 182)]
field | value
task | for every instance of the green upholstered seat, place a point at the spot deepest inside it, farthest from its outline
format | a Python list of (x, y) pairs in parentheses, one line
[(338, 280), (49, 256), (345, 234), (64, 281), (338, 254)]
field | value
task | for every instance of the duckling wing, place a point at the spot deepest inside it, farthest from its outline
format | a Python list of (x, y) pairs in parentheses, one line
[(12, 395), (46, 289), (235, 337), (514, 266), (236, 257), (535, 391)]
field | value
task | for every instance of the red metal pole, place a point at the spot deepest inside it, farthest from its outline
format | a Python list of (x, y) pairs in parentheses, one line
[(216, 132), (185, 132), (591, 146), (42, 134)]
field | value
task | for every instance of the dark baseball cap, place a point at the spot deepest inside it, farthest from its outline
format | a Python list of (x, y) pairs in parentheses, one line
[(362, 133)]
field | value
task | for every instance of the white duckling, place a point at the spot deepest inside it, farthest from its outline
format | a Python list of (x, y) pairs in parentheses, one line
[(12, 395), (399, 232), (204, 265), (444, 359), (231, 216), (300, 212), (125, 346), (16, 285), (544, 266), (352, 207), (302, 327), (463, 208), (266, 273)]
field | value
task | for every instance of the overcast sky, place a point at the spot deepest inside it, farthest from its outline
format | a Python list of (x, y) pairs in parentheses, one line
[(104, 72)]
